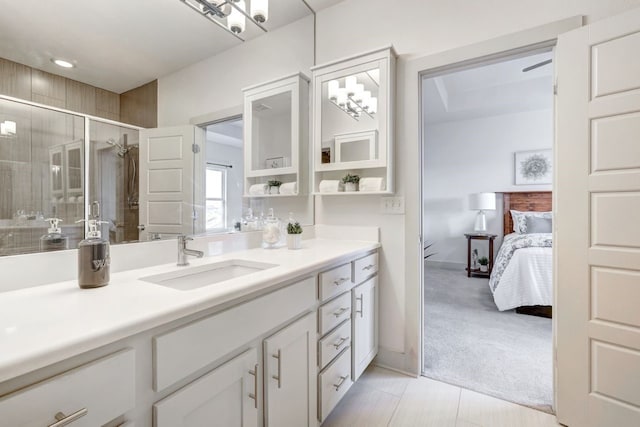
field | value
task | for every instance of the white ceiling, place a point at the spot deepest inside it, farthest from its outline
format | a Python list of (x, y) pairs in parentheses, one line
[(489, 90), (121, 44), (228, 133)]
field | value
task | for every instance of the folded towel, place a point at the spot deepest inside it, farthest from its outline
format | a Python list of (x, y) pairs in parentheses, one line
[(371, 184), (329, 186), (257, 189), (289, 188)]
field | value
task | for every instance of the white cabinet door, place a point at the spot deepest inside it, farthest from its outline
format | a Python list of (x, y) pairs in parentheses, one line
[(290, 370), (171, 180), (597, 232), (365, 325), (225, 397)]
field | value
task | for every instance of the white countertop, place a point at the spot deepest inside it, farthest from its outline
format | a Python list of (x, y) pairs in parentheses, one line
[(46, 324)]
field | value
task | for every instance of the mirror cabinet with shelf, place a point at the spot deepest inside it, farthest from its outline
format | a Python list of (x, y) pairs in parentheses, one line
[(276, 131), (353, 103)]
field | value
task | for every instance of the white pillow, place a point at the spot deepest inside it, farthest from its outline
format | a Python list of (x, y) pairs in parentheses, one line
[(520, 219)]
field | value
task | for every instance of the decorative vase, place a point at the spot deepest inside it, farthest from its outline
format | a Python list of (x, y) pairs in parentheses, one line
[(274, 190), (350, 186), (484, 268), (294, 241)]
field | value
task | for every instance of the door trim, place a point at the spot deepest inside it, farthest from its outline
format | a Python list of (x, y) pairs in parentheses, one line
[(410, 75)]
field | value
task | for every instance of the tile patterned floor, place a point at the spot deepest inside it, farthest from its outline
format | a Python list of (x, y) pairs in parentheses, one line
[(385, 398)]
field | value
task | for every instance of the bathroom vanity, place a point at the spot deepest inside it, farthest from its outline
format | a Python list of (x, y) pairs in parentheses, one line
[(263, 338)]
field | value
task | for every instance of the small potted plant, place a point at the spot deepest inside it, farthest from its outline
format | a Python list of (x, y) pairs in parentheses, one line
[(274, 186), (484, 264), (294, 235), (351, 182)]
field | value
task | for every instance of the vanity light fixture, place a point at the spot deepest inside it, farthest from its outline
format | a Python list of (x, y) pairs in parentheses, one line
[(8, 129), (62, 63), (232, 15), (352, 98)]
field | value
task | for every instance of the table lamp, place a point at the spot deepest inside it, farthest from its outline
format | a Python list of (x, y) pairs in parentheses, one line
[(482, 202)]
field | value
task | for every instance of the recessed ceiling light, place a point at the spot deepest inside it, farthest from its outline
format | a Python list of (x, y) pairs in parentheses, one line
[(62, 63)]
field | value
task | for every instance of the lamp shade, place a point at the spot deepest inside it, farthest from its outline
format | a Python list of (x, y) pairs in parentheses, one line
[(236, 21), (482, 201)]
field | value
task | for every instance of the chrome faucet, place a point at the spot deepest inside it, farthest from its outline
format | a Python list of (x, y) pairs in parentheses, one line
[(183, 252)]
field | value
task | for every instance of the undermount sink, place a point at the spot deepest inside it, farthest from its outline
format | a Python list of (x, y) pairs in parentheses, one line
[(205, 275)]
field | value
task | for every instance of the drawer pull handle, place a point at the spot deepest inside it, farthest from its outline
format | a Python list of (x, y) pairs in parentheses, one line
[(341, 311), (361, 299), (254, 395), (340, 342), (279, 376), (63, 420), (341, 382), (341, 280), (368, 267)]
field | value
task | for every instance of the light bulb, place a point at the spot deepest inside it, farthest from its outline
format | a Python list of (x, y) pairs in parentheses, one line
[(8, 128), (260, 10), (342, 97), (373, 105), (359, 89), (222, 5), (365, 97), (350, 84), (236, 21), (332, 89)]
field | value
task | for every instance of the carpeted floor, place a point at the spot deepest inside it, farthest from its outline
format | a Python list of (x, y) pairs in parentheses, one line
[(469, 343)]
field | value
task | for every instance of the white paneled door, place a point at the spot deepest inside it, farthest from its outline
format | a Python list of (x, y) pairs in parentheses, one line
[(597, 241), (171, 180)]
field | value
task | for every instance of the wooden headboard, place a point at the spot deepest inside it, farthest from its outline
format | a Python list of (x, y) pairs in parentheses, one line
[(538, 201)]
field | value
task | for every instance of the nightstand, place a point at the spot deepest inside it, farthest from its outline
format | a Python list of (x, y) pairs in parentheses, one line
[(479, 236)]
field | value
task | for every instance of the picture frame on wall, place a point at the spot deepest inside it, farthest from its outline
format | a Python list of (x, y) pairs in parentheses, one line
[(533, 167), (274, 163)]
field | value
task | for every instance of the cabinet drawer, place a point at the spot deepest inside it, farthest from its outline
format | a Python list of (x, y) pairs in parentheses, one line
[(335, 281), (332, 313), (365, 267), (334, 382), (185, 350), (331, 345), (105, 388)]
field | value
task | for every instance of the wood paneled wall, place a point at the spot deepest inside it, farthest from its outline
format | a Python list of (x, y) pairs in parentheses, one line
[(138, 106)]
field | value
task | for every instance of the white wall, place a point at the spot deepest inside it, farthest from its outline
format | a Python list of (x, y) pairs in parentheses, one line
[(415, 28), (216, 83), (473, 156)]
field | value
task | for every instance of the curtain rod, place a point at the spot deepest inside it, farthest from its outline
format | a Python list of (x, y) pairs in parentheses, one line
[(220, 164)]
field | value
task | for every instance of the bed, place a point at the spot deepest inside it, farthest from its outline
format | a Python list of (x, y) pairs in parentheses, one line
[(522, 275)]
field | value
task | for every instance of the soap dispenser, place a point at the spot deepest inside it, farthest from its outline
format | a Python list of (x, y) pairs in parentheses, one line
[(93, 254), (54, 240)]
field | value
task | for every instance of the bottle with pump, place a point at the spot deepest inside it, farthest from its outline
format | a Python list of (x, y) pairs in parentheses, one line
[(54, 240), (93, 254)]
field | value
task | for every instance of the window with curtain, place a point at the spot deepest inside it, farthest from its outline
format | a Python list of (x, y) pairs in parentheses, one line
[(216, 200)]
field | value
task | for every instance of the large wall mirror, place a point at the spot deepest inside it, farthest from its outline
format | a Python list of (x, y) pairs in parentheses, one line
[(56, 159)]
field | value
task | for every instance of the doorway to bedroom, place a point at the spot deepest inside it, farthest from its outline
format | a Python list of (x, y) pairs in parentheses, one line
[(487, 150)]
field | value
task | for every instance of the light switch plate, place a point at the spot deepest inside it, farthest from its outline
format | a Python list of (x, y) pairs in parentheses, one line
[(392, 205)]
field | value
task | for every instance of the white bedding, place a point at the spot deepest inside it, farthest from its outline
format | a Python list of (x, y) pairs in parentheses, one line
[(526, 280)]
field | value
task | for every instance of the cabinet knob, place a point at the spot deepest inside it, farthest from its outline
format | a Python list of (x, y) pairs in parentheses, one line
[(340, 342), (279, 376), (254, 395), (341, 311), (341, 280), (341, 382), (63, 420)]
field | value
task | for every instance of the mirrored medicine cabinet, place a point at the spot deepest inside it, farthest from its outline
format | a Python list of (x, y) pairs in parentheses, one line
[(353, 103)]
